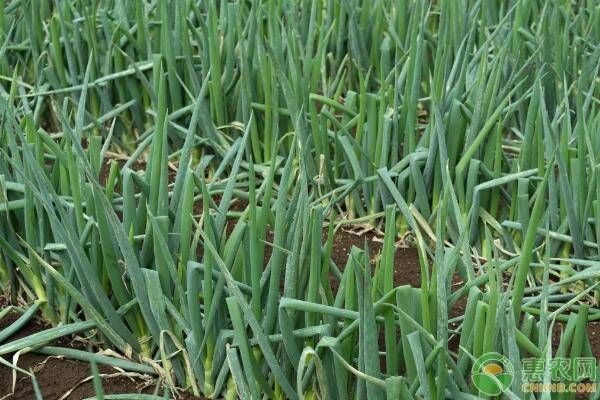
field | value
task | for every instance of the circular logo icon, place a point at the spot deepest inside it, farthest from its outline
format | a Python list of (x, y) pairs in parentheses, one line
[(492, 374)]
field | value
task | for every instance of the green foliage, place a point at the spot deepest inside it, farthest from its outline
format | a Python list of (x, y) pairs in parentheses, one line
[(131, 131)]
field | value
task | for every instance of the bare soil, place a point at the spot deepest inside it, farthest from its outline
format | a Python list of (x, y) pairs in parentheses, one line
[(61, 378), (407, 270)]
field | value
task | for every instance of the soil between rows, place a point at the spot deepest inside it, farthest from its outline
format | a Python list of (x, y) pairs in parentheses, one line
[(62, 378)]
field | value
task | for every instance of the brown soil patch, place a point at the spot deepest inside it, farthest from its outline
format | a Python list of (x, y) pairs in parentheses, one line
[(593, 332), (105, 169), (57, 376), (407, 270)]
